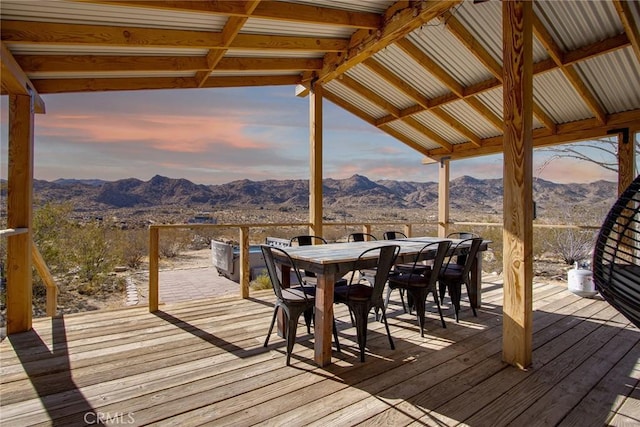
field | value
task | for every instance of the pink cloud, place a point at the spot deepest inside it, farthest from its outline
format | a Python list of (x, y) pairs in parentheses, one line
[(161, 132)]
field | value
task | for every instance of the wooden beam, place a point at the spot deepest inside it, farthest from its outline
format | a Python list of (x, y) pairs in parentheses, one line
[(104, 63), (458, 126), (107, 35), (400, 19), (245, 271), (315, 164), (115, 84), (20, 214), (517, 320), (15, 81), (629, 22), (266, 10), (569, 132), (48, 280), (397, 82), (626, 158)]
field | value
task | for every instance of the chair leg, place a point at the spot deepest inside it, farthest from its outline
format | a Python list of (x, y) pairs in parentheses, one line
[(335, 335), (455, 299), (273, 321), (437, 300), (419, 297), (360, 313), (292, 327), (404, 307), (308, 316), (442, 288), (473, 309), (386, 325)]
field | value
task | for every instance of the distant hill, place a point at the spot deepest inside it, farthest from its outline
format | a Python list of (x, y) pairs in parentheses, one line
[(480, 195)]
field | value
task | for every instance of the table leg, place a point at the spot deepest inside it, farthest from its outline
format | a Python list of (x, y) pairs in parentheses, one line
[(324, 317), (475, 291)]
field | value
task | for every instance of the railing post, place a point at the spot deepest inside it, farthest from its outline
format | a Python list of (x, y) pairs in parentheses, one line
[(244, 262), (154, 237), (407, 230), (366, 228), (47, 278)]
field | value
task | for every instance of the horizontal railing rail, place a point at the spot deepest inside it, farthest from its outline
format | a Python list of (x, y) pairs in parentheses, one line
[(244, 241)]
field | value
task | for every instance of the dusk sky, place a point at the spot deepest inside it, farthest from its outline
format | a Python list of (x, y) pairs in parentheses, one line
[(214, 136)]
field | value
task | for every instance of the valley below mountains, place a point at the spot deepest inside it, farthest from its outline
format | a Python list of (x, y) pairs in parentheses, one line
[(163, 199)]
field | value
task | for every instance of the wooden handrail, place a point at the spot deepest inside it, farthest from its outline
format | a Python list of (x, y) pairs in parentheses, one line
[(13, 231), (47, 278)]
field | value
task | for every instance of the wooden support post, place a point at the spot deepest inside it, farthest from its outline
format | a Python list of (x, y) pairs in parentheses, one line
[(154, 254), (245, 274), (20, 214), (626, 159), (407, 230), (517, 326), (443, 198), (315, 152), (366, 228)]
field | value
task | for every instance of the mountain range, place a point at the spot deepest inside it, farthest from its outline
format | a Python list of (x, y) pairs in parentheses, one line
[(483, 195)]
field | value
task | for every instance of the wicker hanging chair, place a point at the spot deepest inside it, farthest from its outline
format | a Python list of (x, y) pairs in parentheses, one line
[(616, 257)]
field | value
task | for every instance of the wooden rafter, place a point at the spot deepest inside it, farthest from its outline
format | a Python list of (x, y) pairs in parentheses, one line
[(266, 10), (400, 19), (106, 35), (630, 24), (369, 95), (15, 81), (229, 33)]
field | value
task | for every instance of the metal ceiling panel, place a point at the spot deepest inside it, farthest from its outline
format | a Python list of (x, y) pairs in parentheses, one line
[(372, 81), (558, 98), (494, 102), (235, 53), (438, 126), (398, 62), (68, 12), (484, 22), (472, 119), (300, 29), (353, 98), (450, 54), (613, 93), (44, 49), (412, 134), (574, 24), (374, 6)]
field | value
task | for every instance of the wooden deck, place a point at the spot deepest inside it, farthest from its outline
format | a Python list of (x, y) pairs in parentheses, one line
[(202, 362)]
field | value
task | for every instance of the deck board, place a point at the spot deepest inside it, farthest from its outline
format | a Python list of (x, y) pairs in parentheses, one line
[(203, 362)]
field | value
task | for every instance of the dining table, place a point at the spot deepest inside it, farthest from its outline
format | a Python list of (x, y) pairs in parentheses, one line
[(333, 260)]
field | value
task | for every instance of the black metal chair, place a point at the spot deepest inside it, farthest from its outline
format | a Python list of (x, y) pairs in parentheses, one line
[(361, 297), (307, 240), (461, 259), (393, 235), (452, 275), (420, 281), (360, 237), (616, 256), (293, 301)]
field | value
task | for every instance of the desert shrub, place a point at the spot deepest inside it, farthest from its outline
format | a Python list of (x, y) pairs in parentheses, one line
[(261, 282), (91, 252), (53, 235), (570, 244), (130, 246), (172, 242)]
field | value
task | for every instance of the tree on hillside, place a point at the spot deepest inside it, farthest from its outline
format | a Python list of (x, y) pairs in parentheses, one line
[(601, 152)]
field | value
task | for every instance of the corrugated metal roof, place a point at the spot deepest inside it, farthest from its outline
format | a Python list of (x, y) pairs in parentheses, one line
[(375, 6), (412, 134), (427, 119), (394, 58), (578, 23), (484, 22), (109, 14), (353, 98), (614, 93), (380, 86), (612, 75), (557, 97), (468, 115), (448, 52), (301, 29)]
